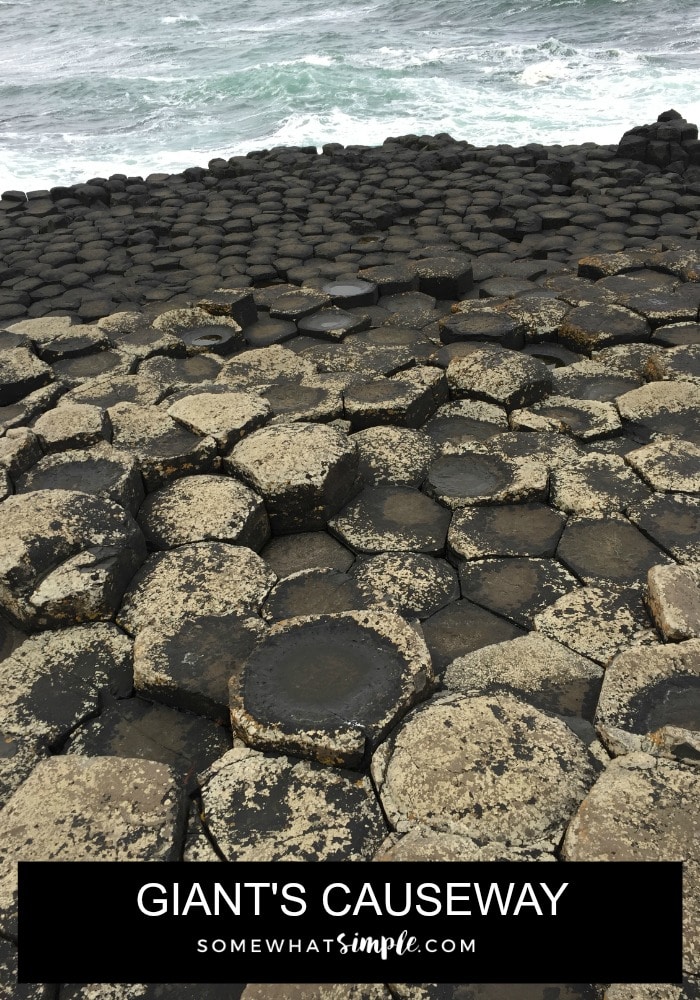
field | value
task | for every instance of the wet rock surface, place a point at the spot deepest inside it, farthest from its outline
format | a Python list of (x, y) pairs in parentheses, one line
[(474, 438)]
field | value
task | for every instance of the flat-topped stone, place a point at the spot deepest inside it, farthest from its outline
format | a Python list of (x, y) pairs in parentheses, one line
[(607, 547), (81, 809), (668, 465), (673, 598), (592, 326), (392, 519), (527, 529), (225, 416), (329, 687), (507, 378), (67, 557), (264, 366), (21, 372), (490, 767), (645, 809), (304, 472), (204, 509), (100, 470), (598, 622), (473, 478), (650, 700), (72, 425), (187, 663), (596, 483), (204, 578), (672, 521), (415, 586), (584, 419), (274, 808), (54, 680), (163, 448), (319, 590), (533, 668), (289, 554), (516, 587), (200, 332), (399, 456)]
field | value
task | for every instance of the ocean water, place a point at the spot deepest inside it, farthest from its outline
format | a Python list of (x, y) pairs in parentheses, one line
[(89, 89)]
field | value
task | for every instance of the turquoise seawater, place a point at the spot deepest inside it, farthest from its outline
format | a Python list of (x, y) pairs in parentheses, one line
[(91, 89)]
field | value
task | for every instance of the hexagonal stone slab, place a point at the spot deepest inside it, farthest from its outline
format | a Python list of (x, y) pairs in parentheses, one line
[(645, 809), (392, 519), (330, 686), (304, 472), (101, 470), (464, 421), (492, 768), (673, 522), (533, 668), (290, 401), (677, 363), (67, 557), (424, 844), (596, 483), (21, 372), (506, 378), (110, 389), (670, 409), (263, 808), (20, 448), (388, 401), (462, 627), (72, 425), (264, 366), (203, 509), (82, 809), (670, 466), (673, 597), (187, 663), (224, 416), (321, 590), (607, 548), (471, 478), (585, 419), (517, 588), (415, 586), (528, 529), (397, 455), (306, 550), (593, 325), (650, 701), (140, 730), (200, 331), (201, 579), (163, 448), (53, 680), (598, 622)]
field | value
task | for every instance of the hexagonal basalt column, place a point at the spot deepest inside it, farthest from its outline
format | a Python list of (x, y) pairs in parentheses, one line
[(650, 700), (645, 809), (470, 478), (330, 686), (67, 557), (493, 768), (272, 808), (393, 519), (304, 472), (207, 578), (204, 508)]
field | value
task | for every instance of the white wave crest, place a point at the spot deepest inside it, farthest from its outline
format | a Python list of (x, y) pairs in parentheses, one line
[(180, 19), (544, 72)]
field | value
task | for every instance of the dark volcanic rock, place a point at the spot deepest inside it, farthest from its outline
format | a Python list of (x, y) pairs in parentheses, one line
[(330, 686), (68, 557)]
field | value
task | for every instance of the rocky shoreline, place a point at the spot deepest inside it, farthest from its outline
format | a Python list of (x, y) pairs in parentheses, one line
[(351, 510)]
